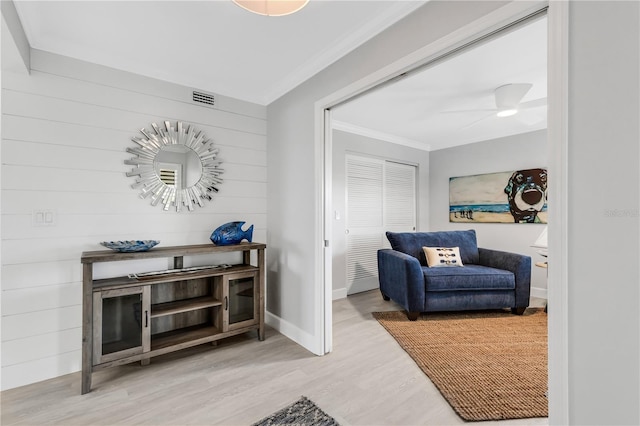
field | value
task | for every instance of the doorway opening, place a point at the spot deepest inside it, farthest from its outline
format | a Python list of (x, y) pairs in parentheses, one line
[(329, 105), (430, 117)]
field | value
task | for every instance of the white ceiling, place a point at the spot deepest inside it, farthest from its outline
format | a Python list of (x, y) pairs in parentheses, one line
[(417, 110), (213, 45), (218, 47)]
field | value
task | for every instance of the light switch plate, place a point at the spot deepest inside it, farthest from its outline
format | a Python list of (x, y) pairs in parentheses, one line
[(44, 218)]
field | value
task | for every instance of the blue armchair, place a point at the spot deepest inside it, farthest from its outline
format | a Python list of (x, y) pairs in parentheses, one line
[(488, 279)]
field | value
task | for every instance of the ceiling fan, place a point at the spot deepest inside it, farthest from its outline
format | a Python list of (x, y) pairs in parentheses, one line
[(508, 102), (508, 99)]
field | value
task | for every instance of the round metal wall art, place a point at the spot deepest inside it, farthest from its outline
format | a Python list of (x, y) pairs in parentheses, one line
[(161, 189)]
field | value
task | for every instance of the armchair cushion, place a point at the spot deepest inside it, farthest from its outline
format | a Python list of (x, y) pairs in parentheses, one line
[(411, 243), (471, 277)]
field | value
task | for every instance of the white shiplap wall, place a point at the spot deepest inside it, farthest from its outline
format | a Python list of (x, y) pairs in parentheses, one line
[(65, 128)]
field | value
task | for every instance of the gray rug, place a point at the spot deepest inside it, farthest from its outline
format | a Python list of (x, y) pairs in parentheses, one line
[(303, 412)]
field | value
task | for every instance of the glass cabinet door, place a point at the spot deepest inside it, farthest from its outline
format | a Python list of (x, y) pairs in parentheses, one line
[(121, 323), (242, 294)]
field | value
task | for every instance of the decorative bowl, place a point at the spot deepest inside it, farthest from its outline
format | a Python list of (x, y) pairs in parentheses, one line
[(130, 246)]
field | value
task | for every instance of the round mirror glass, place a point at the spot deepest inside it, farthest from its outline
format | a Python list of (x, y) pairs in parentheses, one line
[(177, 166)]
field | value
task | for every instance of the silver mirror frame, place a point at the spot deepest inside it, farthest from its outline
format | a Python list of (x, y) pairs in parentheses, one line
[(148, 181)]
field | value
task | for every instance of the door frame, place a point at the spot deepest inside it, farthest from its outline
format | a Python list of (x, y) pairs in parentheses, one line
[(557, 131)]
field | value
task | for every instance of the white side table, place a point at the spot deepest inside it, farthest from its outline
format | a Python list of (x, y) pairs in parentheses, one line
[(544, 265)]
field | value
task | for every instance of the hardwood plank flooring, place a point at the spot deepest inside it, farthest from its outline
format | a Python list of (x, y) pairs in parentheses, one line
[(367, 380)]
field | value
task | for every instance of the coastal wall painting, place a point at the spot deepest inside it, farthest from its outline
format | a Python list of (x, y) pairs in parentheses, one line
[(507, 197)]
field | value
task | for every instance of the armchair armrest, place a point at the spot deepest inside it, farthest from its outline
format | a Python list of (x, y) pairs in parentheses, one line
[(401, 279), (519, 264)]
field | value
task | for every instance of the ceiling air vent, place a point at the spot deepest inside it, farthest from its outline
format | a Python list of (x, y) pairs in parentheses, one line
[(204, 98)]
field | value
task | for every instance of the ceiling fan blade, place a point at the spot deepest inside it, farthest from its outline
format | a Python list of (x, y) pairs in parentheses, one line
[(468, 110), (473, 123), (510, 95), (531, 117), (536, 103)]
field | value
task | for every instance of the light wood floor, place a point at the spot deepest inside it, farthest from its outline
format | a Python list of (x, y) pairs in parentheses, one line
[(367, 380)]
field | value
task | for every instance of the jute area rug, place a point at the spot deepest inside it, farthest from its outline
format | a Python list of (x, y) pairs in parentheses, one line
[(489, 365), (303, 412)]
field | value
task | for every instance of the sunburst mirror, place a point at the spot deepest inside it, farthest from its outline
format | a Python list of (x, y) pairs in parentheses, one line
[(177, 166)]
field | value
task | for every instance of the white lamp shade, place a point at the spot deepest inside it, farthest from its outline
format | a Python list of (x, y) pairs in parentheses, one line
[(272, 7), (541, 242)]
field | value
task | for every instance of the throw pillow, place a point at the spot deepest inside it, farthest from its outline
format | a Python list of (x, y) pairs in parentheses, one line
[(442, 256)]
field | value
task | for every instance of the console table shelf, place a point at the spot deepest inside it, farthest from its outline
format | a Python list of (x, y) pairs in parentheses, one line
[(193, 334), (119, 282), (134, 318), (171, 308)]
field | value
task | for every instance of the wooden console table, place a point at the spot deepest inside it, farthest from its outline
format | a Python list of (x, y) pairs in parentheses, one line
[(127, 319)]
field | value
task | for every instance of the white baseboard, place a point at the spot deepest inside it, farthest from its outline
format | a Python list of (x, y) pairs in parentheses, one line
[(539, 292), (301, 337), (339, 293)]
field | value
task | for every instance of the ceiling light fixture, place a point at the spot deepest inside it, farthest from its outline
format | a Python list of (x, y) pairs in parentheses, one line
[(272, 7), (508, 97), (507, 112)]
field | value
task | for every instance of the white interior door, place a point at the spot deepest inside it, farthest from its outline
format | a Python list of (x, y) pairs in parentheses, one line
[(380, 196)]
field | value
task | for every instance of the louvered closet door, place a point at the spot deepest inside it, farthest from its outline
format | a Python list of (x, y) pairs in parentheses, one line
[(364, 221), (399, 198), (377, 200)]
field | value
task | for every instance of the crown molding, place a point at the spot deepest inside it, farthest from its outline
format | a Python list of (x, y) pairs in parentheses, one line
[(330, 55), (363, 131), (11, 19)]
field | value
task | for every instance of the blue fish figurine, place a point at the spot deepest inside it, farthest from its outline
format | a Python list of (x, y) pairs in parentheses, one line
[(231, 233)]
